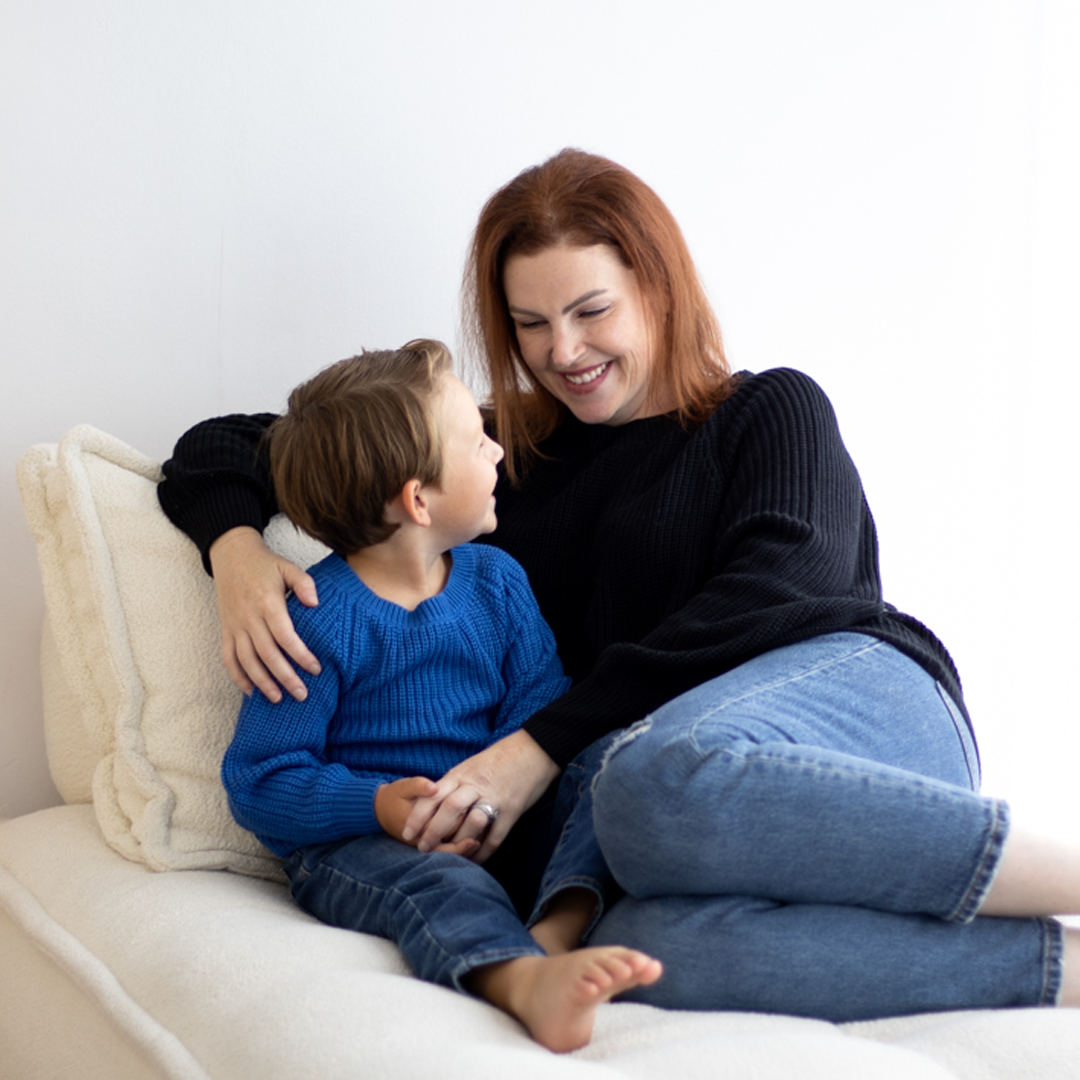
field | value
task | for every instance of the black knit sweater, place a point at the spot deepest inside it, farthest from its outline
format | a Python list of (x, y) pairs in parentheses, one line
[(660, 556)]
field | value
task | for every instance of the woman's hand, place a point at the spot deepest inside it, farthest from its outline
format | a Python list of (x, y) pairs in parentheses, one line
[(394, 802), (510, 775), (251, 583)]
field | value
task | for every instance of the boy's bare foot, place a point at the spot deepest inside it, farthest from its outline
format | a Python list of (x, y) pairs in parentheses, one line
[(556, 997)]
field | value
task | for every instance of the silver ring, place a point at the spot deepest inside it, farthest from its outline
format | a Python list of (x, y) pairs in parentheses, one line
[(486, 808)]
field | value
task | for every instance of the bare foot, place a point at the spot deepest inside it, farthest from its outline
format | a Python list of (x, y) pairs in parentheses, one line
[(556, 997)]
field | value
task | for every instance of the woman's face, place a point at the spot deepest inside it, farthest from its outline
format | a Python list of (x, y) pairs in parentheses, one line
[(583, 331)]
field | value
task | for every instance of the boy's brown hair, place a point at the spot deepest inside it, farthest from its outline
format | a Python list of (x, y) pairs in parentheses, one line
[(352, 437)]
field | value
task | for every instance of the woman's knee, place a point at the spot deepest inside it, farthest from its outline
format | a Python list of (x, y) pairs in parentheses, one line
[(638, 799)]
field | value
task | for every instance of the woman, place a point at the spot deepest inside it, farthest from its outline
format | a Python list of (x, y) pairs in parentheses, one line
[(794, 820)]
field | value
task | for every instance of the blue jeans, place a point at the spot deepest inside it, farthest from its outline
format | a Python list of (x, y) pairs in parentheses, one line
[(803, 835), (448, 915)]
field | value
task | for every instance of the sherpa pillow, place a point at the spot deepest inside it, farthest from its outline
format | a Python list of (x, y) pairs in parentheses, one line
[(139, 707)]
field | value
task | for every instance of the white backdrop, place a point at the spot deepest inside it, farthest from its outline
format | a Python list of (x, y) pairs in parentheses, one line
[(202, 203)]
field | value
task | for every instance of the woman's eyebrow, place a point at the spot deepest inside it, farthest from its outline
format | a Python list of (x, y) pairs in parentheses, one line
[(566, 310)]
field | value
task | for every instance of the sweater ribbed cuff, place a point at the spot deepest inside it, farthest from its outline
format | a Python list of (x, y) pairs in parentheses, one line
[(354, 807), (214, 513)]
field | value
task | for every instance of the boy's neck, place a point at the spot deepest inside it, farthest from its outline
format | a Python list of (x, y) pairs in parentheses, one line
[(401, 572)]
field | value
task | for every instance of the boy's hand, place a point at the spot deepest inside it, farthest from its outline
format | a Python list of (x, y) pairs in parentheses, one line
[(394, 802)]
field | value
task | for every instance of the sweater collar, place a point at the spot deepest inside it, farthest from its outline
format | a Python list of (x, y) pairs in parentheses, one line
[(445, 605)]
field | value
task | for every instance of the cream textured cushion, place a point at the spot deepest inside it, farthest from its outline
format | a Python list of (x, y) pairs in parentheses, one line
[(221, 977), (144, 709)]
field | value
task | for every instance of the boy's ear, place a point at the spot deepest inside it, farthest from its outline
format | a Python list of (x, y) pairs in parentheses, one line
[(410, 504)]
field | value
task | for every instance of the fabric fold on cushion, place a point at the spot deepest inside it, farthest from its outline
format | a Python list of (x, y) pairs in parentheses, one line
[(134, 618)]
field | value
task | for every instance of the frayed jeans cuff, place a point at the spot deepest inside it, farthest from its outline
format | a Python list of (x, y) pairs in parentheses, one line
[(987, 867)]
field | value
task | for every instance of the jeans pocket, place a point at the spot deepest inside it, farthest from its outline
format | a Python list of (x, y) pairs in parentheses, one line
[(303, 862), (294, 868), (964, 734)]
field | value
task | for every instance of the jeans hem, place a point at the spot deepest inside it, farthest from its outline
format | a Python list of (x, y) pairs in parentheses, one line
[(1053, 958), (481, 959), (988, 864), (572, 882)]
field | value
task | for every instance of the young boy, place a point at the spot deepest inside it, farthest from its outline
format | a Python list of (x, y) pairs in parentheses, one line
[(431, 649)]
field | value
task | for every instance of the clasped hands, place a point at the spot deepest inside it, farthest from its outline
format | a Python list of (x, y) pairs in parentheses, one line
[(407, 810), (446, 815)]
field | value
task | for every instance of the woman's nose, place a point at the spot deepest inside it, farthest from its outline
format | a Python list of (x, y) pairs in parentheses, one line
[(566, 347)]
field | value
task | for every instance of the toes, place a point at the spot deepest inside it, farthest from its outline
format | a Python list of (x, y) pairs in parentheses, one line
[(611, 972), (653, 970)]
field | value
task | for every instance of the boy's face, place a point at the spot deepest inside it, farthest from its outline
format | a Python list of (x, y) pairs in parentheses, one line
[(463, 506)]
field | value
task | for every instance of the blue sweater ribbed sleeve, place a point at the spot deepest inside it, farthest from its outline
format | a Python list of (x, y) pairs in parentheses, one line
[(402, 693)]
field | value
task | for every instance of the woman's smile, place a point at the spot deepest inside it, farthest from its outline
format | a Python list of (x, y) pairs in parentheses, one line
[(586, 378)]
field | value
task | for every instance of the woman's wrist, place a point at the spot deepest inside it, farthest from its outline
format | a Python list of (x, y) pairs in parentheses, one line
[(548, 766), (558, 744), (235, 542), (532, 759)]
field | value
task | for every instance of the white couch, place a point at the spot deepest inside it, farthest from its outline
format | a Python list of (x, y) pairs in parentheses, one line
[(143, 934)]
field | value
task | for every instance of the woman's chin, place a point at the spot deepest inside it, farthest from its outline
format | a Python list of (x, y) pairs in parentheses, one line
[(604, 409), (595, 407)]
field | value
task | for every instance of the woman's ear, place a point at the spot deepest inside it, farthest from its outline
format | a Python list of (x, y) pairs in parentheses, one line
[(410, 504)]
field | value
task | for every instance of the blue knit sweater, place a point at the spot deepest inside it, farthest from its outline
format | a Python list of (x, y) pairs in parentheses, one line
[(402, 693)]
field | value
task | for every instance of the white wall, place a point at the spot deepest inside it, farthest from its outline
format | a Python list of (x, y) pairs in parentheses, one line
[(201, 203)]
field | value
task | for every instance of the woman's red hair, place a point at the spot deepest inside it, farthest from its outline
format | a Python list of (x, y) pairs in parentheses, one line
[(581, 199)]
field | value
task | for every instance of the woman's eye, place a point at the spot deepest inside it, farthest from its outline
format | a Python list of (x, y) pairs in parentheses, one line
[(593, 312)]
